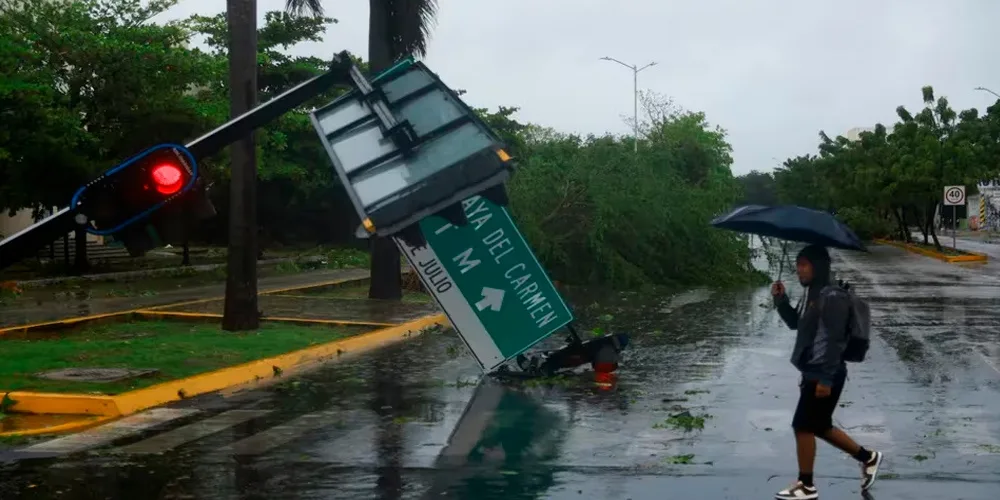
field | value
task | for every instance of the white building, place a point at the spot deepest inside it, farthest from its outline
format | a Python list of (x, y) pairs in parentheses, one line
[(855, 133), (990, 192)]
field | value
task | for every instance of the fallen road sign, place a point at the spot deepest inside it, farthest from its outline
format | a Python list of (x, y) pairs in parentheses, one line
[(488, 281), (405, 146)]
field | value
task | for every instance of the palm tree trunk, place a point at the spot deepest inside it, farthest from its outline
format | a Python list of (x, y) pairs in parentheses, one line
[(241, 281), (386, 274)]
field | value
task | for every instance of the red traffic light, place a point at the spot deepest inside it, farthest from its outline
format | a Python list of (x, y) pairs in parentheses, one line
[(167, 178)]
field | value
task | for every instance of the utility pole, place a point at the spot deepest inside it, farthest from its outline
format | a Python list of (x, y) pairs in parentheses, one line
[(984, 89), (635, 97)]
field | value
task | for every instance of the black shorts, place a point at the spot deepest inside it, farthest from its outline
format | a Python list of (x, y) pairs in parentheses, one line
[(814, 414)]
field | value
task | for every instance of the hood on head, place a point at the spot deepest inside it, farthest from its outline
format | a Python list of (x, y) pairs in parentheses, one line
[(820, 260)]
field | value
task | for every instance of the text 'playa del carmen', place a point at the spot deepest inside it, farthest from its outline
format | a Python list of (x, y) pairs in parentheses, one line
[(499, 246)]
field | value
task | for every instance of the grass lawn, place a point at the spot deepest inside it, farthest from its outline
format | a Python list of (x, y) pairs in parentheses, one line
[(361, 292), (177, 349)]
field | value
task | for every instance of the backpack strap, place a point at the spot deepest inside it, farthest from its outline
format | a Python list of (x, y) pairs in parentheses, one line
[(840, 288)]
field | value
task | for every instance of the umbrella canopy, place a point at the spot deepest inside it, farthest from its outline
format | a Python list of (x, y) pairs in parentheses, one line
[(792, 223)]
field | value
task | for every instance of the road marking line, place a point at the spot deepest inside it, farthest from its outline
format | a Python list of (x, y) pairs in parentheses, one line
[(192, 432), (280, 434), (989, 363), (110, 432), (63, 323)]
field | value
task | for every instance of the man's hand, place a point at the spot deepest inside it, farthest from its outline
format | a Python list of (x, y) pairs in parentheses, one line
[(777, 289), (822, 391)]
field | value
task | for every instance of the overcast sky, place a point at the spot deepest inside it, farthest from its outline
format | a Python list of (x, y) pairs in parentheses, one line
[(771, 72)]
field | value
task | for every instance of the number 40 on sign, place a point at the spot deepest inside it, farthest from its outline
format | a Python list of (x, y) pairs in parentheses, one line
[(954, 195)]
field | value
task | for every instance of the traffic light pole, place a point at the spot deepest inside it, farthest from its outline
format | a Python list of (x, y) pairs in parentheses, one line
[(29, 240)]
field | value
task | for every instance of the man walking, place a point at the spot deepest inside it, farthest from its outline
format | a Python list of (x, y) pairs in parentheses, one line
[(821, 320)]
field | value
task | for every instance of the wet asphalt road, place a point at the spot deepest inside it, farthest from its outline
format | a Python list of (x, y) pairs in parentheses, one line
[(412, 421), (988, 248)]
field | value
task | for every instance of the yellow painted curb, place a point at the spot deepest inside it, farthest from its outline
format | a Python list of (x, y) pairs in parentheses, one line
[(308, 321), (968, 257), (63, 323), (66, 404), (184, 303), (225, 378), (333, 283), (75, 426)]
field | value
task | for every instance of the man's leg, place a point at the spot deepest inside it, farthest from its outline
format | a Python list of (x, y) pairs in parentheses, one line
[(833, 435), (805, 446), (805, 435), (841, 440), (870, 461)]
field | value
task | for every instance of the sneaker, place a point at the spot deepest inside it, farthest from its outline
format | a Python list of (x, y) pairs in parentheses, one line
[(797, 491), (869, 471)]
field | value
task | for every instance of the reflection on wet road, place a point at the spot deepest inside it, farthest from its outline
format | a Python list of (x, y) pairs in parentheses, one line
[(702, 409)]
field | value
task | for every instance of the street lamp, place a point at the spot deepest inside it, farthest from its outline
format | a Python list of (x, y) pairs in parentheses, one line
[(635, 96), (984, 89)]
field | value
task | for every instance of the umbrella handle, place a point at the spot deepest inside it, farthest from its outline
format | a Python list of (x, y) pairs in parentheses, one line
[(784, 256)]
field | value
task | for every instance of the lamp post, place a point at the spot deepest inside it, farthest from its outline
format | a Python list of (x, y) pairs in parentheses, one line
[(635, 97), (984, 89)]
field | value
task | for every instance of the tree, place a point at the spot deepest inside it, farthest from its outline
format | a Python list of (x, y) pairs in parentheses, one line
[(758, 188), (241, 311), (83, 86), (936, 151), (396, 29), (887, 181), (299, 198), (597, 213)]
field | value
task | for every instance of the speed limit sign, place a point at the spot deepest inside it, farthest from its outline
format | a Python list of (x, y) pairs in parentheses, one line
[(954, 195)]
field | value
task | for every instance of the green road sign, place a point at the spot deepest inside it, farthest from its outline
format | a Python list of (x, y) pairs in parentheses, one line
[(489, 283)]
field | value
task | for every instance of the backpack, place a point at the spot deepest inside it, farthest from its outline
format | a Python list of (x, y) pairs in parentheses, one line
[(858, 325)]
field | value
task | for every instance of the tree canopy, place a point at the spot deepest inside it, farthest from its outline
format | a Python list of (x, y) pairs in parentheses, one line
[(892, 178), (84, 85)]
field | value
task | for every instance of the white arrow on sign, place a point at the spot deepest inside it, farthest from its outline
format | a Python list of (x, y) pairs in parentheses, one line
[(492, 299)]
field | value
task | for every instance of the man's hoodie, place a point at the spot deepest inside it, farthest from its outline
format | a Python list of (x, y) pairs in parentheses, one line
[(820, 320)]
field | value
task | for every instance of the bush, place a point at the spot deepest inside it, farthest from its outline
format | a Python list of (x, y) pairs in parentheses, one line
[(596, 213)]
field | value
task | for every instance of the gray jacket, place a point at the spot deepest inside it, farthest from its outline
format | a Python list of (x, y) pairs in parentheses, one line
[(821, 334)]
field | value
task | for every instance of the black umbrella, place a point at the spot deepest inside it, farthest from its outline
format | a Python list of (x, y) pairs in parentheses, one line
[(791, 223)]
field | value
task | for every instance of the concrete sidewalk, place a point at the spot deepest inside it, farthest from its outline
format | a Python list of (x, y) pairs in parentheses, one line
[(22, 313), (972, 245)]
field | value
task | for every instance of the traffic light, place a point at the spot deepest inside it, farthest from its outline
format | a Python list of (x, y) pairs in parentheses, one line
[(135, 189), (126, 201)]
